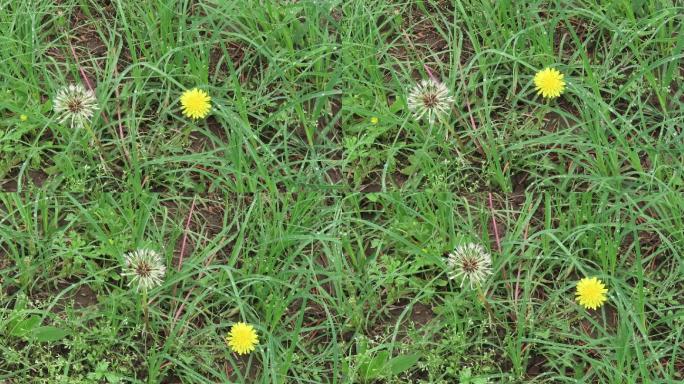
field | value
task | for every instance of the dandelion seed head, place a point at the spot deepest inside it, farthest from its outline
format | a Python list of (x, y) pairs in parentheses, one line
[(75, 104), (469, 262), (430, 98), (145, 268)]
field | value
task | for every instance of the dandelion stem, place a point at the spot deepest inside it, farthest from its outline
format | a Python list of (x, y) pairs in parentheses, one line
[(145, 310)]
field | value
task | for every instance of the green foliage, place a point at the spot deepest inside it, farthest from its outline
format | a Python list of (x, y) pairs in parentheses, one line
[(293, 209)]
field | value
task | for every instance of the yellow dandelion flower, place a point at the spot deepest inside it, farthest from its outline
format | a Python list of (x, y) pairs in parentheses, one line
[(549, 83), (196, 103), (23, 117), (242, 338), (591, 293), (374, 120)]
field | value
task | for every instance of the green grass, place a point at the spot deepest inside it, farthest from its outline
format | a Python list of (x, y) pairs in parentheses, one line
[(291, 211)]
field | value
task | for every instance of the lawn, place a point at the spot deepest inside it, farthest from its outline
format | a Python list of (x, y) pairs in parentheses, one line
[(341, 191)]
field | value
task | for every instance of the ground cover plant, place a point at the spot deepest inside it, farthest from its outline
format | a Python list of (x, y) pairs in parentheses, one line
[(341, 191)]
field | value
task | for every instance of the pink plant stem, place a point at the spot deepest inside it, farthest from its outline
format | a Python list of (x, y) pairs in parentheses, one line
[(80, 68), (84, 75), (429, 72)]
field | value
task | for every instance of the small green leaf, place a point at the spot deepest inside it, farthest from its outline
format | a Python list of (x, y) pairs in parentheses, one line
[(23, 327), (48, 333), (113, 378), (402, 363), (372, 369)]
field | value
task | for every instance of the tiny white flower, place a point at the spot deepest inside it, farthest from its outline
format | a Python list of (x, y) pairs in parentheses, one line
[(469, 262), (75, 104), (430, 98), (145, 267)]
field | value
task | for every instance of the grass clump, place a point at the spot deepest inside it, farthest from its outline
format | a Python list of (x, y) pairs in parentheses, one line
[(341, 191)]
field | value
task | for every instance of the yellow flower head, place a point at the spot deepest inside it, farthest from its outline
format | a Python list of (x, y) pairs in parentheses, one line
[(591, 293), (374, 120), (242, 338), (23, 117), (196, 103), (549, 83)]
